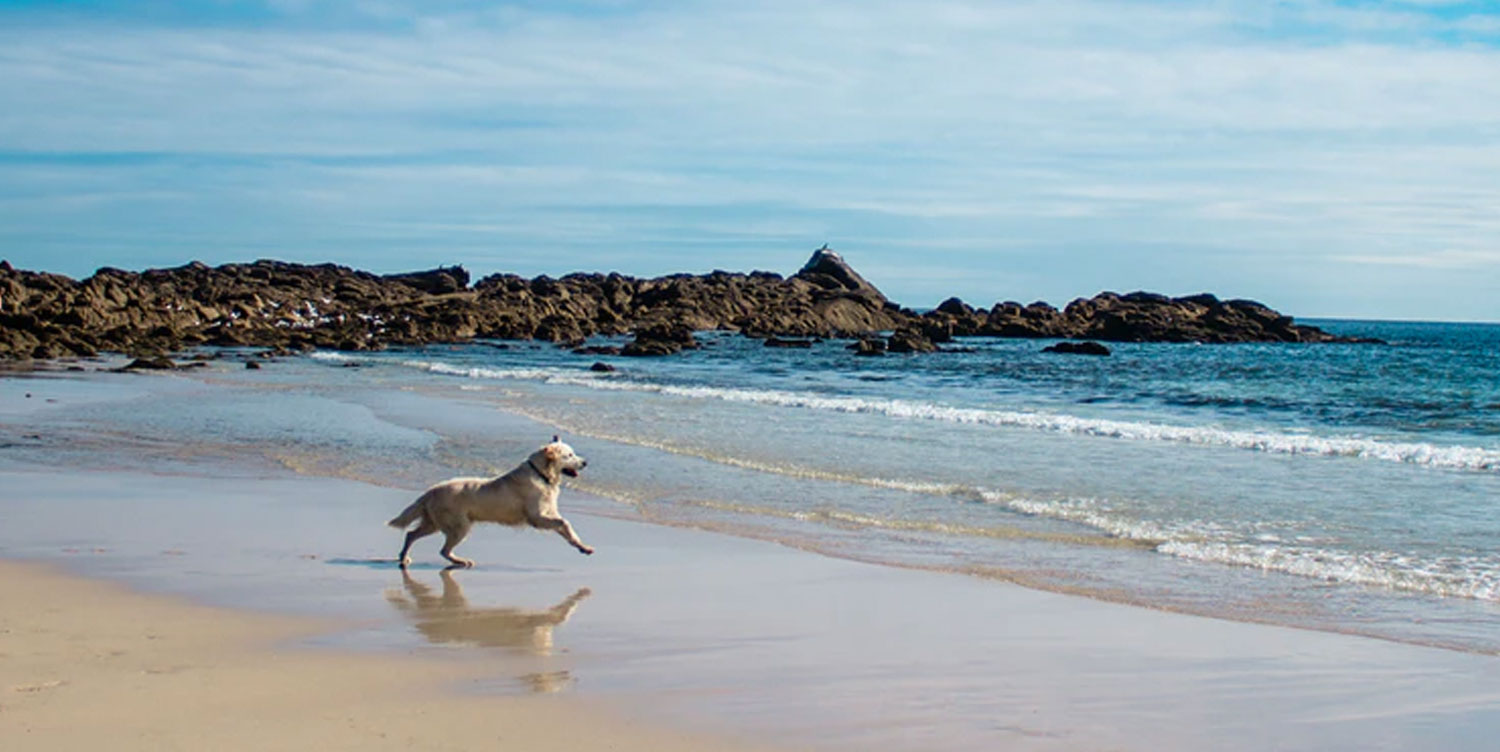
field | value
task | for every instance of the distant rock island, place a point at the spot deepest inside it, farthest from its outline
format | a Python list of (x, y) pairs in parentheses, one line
[(272, 304)]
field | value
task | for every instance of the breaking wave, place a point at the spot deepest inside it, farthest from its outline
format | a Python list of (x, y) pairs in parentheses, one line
[(1452, 457)]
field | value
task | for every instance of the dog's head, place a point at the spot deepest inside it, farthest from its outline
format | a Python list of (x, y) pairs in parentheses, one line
[(562, 457)]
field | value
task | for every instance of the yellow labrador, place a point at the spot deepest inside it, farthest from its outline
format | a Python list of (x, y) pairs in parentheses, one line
[(526, 495)]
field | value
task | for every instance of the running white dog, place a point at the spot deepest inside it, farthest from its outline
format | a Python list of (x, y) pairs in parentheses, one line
[(526, 495)]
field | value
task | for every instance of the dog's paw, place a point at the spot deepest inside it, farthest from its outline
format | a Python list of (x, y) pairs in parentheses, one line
[(586, 550)]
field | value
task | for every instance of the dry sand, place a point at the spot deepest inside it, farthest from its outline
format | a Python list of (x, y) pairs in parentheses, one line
[(88, 665)]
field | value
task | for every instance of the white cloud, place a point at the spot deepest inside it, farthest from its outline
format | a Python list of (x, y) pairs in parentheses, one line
[(1443, 259)]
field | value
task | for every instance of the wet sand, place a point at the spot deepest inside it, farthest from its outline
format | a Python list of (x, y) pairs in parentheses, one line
[(663, 628), (91, 665)]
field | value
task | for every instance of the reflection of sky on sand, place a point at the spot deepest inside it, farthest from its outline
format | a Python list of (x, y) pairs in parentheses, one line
[(446, 617)]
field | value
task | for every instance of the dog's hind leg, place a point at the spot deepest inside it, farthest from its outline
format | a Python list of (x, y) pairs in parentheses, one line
[(565, 530), (420, 531), (455, 536)]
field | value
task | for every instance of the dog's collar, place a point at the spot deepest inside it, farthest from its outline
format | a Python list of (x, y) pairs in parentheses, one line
[(539, 473)]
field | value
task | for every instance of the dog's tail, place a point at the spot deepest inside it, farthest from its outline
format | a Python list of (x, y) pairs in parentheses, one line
[(409, 515)]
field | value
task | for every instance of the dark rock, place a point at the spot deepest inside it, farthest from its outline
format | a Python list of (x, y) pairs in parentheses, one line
[(601, 367), (150, 364), (795, 343), (868, 347), (597, 350), (1077, 348), (955, 307), (940, 330), (1149, 317), (661, 339), (909, 340), (827, 269), (440, 281), (253, 365), (649, 349)]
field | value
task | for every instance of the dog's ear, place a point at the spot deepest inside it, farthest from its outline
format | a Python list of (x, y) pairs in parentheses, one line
[(551, 452), (555, 438)]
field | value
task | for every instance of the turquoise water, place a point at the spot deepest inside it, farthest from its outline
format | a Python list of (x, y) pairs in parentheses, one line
[(1340, 487)]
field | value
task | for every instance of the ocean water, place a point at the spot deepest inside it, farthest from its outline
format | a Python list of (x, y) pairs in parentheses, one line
[(1350, 488)]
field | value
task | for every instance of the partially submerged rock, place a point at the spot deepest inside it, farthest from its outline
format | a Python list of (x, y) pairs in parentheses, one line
[(910, 340), (659, 340), (1077, 348), (150, 364), (1148, 317)]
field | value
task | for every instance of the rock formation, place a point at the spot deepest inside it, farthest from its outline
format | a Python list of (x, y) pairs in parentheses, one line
[(660, 339), (1135, 317), (294, 307)]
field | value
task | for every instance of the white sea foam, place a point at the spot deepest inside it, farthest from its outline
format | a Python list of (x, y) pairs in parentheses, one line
[(1449, 576), (1415, 453), (1463, 577), (931, 488)]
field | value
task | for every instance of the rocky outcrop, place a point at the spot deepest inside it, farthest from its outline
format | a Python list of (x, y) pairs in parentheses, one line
[(660, 339), (297, 307), (439, 281), (828, 270), (1148, 317), (294, 307), (909, 339)]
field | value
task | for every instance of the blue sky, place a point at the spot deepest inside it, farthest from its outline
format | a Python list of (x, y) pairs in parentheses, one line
[(1327, 158)]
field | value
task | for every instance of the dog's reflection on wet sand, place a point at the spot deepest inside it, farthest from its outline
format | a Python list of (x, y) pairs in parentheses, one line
[(446, 617)]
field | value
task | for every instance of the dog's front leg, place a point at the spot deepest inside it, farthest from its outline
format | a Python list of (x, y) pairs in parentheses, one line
[(565, 530)]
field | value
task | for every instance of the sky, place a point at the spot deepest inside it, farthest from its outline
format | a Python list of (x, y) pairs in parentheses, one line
[(1330, 159)]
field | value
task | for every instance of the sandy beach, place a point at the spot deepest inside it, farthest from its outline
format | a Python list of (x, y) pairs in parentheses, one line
[(666, 636)]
